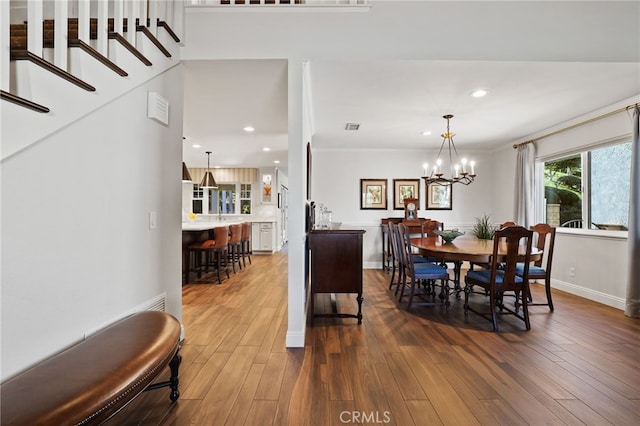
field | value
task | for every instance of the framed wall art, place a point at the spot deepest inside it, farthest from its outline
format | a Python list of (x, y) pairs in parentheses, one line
[(373, 194), (405, 188), (439, 197)]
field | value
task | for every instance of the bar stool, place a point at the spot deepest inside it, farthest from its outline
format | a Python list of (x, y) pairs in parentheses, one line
[(235, 246), (245, 242), (215, 253)]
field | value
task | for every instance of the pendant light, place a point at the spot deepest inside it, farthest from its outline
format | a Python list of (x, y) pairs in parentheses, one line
[(186, 176), (208, 181), (464, 175)]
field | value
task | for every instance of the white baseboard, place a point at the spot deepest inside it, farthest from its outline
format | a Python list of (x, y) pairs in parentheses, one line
[(294, 339), (587, 293)]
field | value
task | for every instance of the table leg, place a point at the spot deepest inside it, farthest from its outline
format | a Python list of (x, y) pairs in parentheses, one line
[(457, 266)]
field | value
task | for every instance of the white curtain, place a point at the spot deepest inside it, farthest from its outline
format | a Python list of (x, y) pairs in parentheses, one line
[(632, 308), (524, 188)]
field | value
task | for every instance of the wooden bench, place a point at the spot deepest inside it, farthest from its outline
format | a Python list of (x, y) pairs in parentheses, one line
[(94, 379)]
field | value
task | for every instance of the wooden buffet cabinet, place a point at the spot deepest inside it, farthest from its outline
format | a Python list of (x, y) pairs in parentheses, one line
[(336, 266)]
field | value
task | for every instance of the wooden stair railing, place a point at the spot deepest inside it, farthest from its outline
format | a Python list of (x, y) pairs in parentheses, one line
[(18, 55), (152, 38), (22, 102), (18, 41), (166, 26), (19, 51), (48, 26)]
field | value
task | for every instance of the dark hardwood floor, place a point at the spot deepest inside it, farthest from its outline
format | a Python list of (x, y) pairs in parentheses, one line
[(577, 366)]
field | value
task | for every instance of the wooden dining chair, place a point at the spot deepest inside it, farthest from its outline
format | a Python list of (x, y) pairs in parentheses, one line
[(395, 260), (497, 282), (417, 274), (545, 236), (486, 265)]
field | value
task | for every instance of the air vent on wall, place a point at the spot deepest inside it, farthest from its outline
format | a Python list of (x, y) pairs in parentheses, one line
[(158, 108), (352, 126)]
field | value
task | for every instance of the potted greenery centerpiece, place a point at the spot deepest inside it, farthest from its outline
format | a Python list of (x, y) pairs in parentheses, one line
[(484, 229)]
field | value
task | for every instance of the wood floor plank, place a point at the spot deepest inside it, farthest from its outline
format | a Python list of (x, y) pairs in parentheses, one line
[(261, 413), (398, 411), (246, 398), (460, 383), (271, 380), (292, 371), (409, 386), (221, 396), (449, 406), (340, 379), (273, 340), (301, 401), (203, 376), (503, 414), (578, 365), (508, 388), (423, 413), (257, 330), (583, 413), (613, 376)]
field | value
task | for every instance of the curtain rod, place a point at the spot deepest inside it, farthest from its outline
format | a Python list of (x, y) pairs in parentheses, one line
[(617, 111)]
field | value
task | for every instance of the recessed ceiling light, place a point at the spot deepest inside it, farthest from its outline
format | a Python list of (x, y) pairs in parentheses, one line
[(266, 148), (426, 133), (276, 161), (478, 93), (248, 129), (195, 145)]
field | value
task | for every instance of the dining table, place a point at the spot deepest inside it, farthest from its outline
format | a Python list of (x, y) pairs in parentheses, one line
[(463, 249)]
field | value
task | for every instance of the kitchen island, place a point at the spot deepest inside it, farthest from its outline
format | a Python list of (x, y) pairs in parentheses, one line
[(194, 232)]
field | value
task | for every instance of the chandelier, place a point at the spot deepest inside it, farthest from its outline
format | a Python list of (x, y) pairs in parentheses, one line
[(460, 172)]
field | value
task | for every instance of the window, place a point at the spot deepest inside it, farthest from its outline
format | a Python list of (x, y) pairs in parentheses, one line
[(245, 198), (198, 195), (589, 190), (223, 199)]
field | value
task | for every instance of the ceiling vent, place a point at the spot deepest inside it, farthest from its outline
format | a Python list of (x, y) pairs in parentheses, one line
[(352, 126)]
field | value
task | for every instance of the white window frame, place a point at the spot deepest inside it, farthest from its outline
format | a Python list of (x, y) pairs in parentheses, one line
[(237, 202), (540, 202)]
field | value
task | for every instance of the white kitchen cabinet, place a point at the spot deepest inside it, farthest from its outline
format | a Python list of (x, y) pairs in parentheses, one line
[(263, 237)]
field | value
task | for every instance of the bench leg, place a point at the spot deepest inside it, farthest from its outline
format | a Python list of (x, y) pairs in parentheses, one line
[(174, 365)]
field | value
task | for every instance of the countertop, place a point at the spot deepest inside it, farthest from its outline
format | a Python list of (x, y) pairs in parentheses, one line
[(203, 226)]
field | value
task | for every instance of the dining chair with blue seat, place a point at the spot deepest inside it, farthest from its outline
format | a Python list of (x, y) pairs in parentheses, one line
[(511, 245), (415, 274), (397, 260), (486, 265), (545, 236), (396, 248)]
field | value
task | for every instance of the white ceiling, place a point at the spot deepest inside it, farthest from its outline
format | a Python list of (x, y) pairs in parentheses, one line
[(223, 97), (395, 100)]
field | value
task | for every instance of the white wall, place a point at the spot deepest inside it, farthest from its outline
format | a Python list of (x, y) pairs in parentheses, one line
[(336, 178), (77, 250)]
